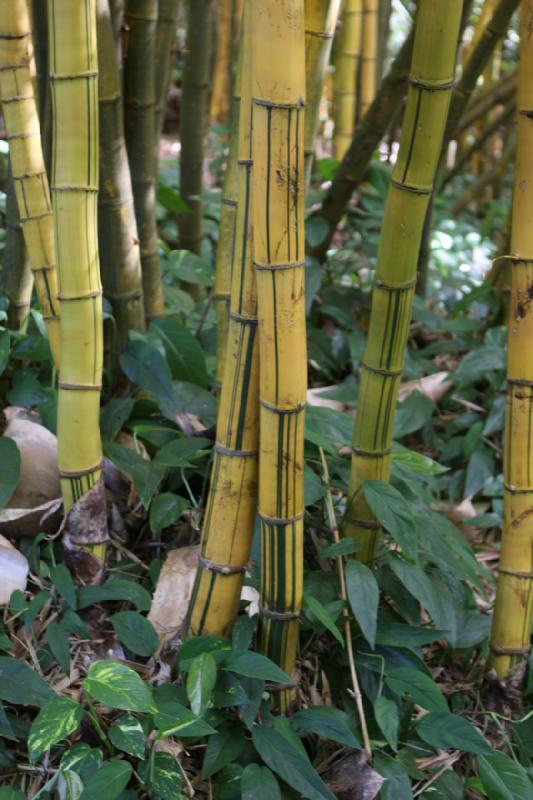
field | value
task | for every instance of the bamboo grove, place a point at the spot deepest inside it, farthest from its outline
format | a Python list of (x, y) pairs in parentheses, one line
[(293, 118)]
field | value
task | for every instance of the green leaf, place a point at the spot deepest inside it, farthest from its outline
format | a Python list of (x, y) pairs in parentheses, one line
[(328, 428), (108, 781), (26, 391), (63, 583), (395, 634), (344, 547), (363, 594), (170, 200), (163, 777), (56, 720), (214, 645), (317, 609), (9, 469), (255, 665), (412, 414), (5, 347), (258, 782), (144, 365), (416, 462), (290, 764), (185, 356), (8, 793), (20, 684), (189, 267), (192, 399), (327, 722), (419, 686), (59, 644), (146, 475), (172, 718), (128, 735), (388, 719), (480, 470), (182, 452), (316, 227), (393, 512), (503, 778), (117, 686), (114, 415), (223, 748), (419, 584), (165, 509), (201, 682), (115, 589), (477, 363), (397, 785), (135, 632), (447, 731)]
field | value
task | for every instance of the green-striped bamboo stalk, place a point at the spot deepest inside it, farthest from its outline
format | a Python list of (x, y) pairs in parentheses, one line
[(411, 187), (15, 276), (220, 102), (320, 22), (164, 41), (27, 162), (74, 86), (369, 53), (140, 121), (120, 258), (193, 121), (346, 78), (227, 230), (232, 503), (278, 218), (511, 623)]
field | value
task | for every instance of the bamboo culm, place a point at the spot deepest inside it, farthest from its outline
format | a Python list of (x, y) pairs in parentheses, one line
[(193, 122), (164, 42), (16, 275), (74, 87), (320, 21), (346, 80), (120, 258), (513, 612), (369, 53), (432, 72), (28, 169), (278, 36), (140, 130), (232, 503)]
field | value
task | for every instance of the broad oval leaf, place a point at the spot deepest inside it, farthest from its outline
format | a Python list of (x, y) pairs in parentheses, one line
[(393, 512), (9, 469), (388, 719), (117, 686), (108, 781), (257, 782), (115, 589), (327, 722), (144, 365), (20, 684), (56, 720), (185, 356), (128, 735), (165, 509), (135, 632), (223, 748), (255, 665), (363, 595), (503, 778), (447, 731), (421, 687), (201, 682)]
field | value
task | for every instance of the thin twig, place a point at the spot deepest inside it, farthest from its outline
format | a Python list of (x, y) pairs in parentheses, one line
[(356, 691)]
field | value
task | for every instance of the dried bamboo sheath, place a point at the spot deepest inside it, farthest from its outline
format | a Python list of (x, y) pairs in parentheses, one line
[(74, 85), (511, 626), (26, 156), (232, 503), (412, 182), (320, 22), (278, 222)]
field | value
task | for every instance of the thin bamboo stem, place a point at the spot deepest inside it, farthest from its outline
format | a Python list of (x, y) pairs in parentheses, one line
[(413, 177), (140, 120), (220, 105), (120, 258), (278, 36), (16, 275), (232, 502), (369, 53), (346, 79), (513, 612), (27, 161), (167, 20), (320, 23), (74, 87), (193, 122)]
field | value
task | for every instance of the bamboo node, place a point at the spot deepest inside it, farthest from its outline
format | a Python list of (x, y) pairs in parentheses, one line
[(73, 76), (527, 576), (299, 104), (15, 136), (395, 287), (222, 569), (16, 98), (276, 410), (36, 217), (78, 473), (280, 522), (226, 201), (87, 296), (319, 34), (90, 387), (508, 487), (278, 267), (230, 453), (358, 451), (364, 523), (13, 67), (519, 382), (13, 37), (430, 86), (405, 187), (509, 651), (245, 162), (278, 616), (242, 319), (73, 188), (393, 373), (124, 297)]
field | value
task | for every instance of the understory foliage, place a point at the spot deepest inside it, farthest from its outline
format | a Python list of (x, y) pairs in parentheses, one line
[(95, 704)]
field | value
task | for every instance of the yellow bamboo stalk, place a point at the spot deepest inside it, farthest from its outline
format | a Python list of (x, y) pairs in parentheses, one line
[(511, 624), (346, 80), (369, 54), (232, 503), (16, 277), (221, 93), (74, 86), (432, 70), (320, 22), (278, 92), (227, 230), (27, 162)]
